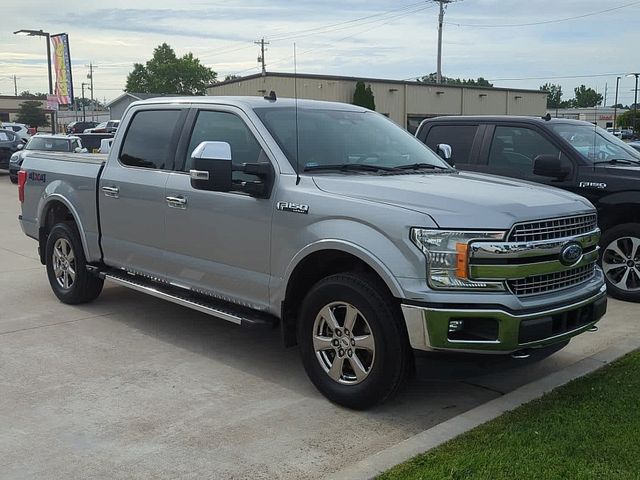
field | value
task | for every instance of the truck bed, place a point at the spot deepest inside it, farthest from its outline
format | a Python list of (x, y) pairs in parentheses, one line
[(73, 178)]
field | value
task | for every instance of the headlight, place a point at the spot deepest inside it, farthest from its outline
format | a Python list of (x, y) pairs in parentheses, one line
[(15, 158), (447, 255)]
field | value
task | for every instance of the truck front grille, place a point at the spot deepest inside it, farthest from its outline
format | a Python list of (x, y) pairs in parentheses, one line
[(552, 282), (553, 229)]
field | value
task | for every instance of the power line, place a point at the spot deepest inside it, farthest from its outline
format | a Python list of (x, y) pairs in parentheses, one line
[(546, 22), (317, 30), (384, 21)]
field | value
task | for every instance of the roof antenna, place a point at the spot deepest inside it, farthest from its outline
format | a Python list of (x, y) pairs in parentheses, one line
[(271, 97), (295, 94)]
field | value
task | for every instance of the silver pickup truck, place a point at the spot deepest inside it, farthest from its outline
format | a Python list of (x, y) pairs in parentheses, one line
[(325, 219)]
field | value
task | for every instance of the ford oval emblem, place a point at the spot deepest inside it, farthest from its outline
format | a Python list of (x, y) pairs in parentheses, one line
[(571, 254)]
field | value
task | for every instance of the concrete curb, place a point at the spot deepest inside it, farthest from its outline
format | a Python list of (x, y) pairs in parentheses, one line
[(382, 461)]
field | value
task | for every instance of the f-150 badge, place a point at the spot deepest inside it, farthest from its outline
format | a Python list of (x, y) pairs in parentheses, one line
[(599, 186), (293, 207)]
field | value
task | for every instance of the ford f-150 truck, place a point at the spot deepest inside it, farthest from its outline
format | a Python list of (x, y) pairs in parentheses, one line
[(325, 219)]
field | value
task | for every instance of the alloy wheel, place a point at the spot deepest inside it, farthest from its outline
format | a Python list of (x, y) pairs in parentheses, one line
[(64, 263), (621, 263)]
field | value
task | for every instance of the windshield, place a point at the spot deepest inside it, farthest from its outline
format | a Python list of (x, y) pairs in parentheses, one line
[(336, 137), (595, 143), (48, 144)]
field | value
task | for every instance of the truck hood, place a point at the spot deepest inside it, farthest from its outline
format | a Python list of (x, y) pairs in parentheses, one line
[(462, 200)]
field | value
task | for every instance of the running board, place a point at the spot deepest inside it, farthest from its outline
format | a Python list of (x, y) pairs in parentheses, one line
[(243, 316)]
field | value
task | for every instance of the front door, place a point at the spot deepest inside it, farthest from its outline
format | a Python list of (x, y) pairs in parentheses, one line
[(132, 193), (219, 243)]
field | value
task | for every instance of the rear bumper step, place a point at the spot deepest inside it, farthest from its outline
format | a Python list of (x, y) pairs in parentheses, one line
[(239, 315)]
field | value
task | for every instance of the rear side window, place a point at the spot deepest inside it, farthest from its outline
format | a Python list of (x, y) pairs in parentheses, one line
[(459, 137), (149, 139)]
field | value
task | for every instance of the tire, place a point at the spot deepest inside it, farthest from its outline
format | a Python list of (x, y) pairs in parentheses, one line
[(13, 178), (331, 354), (620, 260), (68, 276)]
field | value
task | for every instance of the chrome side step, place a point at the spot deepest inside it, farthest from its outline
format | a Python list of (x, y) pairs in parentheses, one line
[(225, 311)]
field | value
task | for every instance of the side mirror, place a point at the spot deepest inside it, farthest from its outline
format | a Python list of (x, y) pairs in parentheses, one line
[(20, 146), (211, 167), (445, 152), (549, 166), (77, 150)]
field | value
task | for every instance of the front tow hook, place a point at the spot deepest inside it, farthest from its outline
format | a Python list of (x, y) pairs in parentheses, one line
[(521, 354)]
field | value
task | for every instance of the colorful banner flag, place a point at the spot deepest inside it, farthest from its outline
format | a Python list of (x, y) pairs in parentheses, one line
[(62, 64)]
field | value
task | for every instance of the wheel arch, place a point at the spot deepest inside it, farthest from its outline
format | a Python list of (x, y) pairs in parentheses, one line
[(55, 209), (319, 260)]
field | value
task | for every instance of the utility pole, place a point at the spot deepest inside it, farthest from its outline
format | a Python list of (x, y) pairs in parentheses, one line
[(261, 58), (443, 4), (635, 102), (90, 77), (615, 106), (606, 90), (15, 85), (84, 116)]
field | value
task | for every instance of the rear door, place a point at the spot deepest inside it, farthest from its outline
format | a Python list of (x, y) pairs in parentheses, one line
[(132, 191), (219, 242)]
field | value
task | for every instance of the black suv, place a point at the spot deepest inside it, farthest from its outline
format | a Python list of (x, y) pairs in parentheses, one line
[(569, 154), (79, 127)]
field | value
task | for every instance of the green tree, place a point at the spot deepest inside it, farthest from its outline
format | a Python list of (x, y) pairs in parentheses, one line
[(479, 82), (32, 113), (363, 96), (166, 73), (28, 94), (231, 77), (630, 119), (587, 97), (554, 97)]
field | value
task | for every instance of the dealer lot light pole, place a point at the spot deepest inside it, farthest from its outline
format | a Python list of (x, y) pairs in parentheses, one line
[(47, 35), (635, 103)]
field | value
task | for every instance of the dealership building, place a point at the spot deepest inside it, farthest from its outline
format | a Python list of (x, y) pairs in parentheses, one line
[(405, 102), (601, 116)]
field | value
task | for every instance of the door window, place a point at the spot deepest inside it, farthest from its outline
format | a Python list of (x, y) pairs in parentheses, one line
[(515, 148), (226, 127), (459, 137), (149, 139)]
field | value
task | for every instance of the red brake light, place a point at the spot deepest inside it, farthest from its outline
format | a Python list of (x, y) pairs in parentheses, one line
[(22, 179)]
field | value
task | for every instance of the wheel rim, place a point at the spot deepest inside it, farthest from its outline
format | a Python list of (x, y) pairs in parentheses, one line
[(64, 263), (621, 263), (344, 343)]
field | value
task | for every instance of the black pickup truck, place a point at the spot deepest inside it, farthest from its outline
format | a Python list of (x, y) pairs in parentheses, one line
[(568, 154)]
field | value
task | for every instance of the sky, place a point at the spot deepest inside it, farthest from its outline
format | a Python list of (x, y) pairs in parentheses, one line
[(368, 38)]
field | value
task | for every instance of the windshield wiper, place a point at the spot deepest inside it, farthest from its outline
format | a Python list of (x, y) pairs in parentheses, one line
[(349, 167), (618, 161), (422, 166)]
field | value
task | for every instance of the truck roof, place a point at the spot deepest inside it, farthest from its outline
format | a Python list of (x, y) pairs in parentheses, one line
[(251, 102), (511, 118)]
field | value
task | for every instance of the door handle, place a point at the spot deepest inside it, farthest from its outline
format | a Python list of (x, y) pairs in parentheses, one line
[(111, 192), (177, 202)]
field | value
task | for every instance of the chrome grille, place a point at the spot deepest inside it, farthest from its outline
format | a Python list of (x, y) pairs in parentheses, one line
[(553, 228), (552, 282)]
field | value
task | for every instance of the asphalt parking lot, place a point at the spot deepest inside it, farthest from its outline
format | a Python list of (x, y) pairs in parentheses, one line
[(134, 387)]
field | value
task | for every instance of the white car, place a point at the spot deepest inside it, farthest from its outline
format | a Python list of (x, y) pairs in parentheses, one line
[(20, 129)]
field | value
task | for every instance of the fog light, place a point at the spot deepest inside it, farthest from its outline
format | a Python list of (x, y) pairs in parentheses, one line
[(456, 325)]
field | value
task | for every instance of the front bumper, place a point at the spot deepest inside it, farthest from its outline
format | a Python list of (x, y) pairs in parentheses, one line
[(496, 330)]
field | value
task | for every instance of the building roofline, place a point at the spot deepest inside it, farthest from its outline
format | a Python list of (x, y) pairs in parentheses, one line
[(368, 79), (124, 94)]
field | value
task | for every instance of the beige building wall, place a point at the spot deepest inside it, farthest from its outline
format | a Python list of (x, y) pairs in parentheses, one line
[(9, 106), (406, 103)]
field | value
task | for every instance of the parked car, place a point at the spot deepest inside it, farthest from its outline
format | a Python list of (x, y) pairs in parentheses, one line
[(616, 132), (20, 129), (43, 143), (627, 134), (79, 127), (353, 237), (569, 154), (105, 127), (10, 143)]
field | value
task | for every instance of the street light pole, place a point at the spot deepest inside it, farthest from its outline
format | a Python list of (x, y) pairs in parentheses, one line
[(84, 117), (635, 102), (47, 35)]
